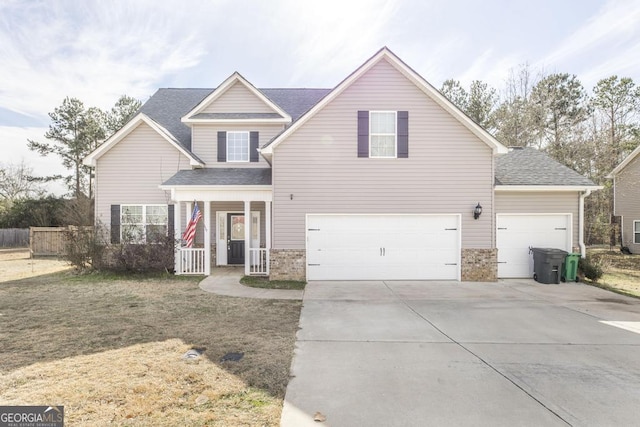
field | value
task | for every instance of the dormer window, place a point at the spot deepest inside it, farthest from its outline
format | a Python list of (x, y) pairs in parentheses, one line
[(237, 146)]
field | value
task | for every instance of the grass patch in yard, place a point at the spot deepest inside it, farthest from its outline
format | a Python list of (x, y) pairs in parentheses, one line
[(621, 272), (265, 283), (109, 348)]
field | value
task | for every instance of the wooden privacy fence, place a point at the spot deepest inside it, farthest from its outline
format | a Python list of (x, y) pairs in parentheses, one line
[(14, 237), (49, 241)]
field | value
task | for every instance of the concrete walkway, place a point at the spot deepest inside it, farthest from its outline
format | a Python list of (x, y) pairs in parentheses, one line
[(464, 354), (226, 281)]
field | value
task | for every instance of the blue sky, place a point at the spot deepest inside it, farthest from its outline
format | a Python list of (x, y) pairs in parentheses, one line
[(98, 50)]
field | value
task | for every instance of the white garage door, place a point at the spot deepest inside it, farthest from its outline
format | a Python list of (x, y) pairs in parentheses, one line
[(517, 233), (383, 247)]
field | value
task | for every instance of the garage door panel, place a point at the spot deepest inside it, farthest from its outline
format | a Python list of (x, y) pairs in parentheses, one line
[(383, 247), (517, 233)]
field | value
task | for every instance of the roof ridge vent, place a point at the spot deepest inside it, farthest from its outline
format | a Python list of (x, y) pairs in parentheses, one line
[(512, 148)]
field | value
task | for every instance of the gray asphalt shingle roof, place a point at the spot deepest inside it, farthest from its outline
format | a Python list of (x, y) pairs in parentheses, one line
[(528, 166), (167, 106), (221, 176)]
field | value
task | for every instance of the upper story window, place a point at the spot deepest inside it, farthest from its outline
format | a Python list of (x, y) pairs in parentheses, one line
[(143, 223), (636, 231), (382, 134), (237, 146)]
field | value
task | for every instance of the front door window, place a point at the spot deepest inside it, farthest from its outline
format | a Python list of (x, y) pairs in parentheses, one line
[(237, 227)]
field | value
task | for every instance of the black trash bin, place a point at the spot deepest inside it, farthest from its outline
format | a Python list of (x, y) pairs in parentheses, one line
[(547, 264)]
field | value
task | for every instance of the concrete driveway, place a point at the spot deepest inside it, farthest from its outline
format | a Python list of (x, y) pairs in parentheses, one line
[(446, 353)]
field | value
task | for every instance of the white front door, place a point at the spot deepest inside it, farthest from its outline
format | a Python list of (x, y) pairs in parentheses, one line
[(383, 247), (517, 233)]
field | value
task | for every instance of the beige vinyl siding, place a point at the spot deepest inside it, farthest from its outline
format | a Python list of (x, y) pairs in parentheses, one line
[(238, 99), (541, 203), (316, 170), (627, 201), (131, 171), (205, 142)]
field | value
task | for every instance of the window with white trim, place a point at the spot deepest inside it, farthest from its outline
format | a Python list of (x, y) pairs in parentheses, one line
[(237, 146), (143, 223), (382, 134), (636, 231)]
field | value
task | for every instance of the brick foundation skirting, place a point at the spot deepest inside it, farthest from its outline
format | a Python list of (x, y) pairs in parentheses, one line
[(287, 264), (479, 265)]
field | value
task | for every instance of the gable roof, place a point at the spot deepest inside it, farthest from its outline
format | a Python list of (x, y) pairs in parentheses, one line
[(408, 72), (624, 163), (530, 167), (139, 119), (168, 105), (233, 79)]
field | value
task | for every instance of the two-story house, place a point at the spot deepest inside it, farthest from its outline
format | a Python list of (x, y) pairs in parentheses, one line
[(379, 178)]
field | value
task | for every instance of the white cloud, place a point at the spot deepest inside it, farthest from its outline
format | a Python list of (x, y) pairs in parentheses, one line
[(616, 22), (333, 37), (94, 51)]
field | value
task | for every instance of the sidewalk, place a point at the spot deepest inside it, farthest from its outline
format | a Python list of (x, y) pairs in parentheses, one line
[(226, 281)]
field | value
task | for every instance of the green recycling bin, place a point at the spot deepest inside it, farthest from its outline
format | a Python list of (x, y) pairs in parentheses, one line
[(570, 267)]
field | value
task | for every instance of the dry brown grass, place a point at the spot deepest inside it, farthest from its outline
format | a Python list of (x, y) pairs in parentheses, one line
[(16, 264), (110, 351), (621, 272)]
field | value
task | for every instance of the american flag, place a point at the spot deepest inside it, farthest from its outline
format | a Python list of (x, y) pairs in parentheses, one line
[(190, 232)]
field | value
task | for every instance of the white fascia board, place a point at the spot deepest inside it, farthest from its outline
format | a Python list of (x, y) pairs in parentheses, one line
[(217, 187), (233, 78), (228, 193), (91, 159), (550, 188), (624, 163), (422, 84)]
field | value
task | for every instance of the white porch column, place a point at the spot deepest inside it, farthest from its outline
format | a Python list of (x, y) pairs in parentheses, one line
[(207, 238), (187, 214), (177, 233), (267, 229), (247, 237)]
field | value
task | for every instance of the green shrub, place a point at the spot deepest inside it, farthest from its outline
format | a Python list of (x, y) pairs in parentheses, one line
[(591, 269)]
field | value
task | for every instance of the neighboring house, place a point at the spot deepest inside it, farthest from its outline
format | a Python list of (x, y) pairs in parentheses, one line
[(379, 178), (626, 199)]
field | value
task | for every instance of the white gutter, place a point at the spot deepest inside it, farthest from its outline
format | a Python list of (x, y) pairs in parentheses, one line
[(583, 250)]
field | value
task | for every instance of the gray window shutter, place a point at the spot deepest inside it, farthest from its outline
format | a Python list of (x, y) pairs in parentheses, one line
[(222, 146), (363, 134), (115, 223), (254, 138), (403, 134), (171, 221)]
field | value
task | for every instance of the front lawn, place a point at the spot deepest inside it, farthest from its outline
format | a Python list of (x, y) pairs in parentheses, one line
[(110, 349), (621, 272)]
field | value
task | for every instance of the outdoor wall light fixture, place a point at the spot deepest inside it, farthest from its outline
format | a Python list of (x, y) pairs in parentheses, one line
[(291, 196), (477, 211)]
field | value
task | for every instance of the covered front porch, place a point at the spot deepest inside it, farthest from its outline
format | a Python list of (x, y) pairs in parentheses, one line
[(229, 234), (235, 229)]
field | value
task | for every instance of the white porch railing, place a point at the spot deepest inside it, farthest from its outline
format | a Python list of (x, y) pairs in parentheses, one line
[(259, 261), (190, 260)]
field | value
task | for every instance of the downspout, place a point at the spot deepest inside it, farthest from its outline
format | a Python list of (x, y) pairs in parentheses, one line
[(583, 250)]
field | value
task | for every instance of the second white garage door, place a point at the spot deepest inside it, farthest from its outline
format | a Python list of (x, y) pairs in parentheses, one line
[(518, 232), (383, 247)]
